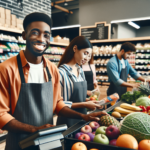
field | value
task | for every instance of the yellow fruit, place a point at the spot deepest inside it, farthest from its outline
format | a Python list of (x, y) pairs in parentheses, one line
[(116, 114)]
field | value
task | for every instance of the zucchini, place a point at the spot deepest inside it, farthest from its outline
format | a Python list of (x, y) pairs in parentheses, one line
[(130, 107), (123, 111)]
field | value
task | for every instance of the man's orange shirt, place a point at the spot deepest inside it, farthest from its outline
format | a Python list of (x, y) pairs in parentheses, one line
[(10, 85)]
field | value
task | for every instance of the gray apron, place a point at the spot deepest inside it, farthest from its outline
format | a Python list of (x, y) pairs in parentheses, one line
[(34, 107), (78, 95), (89, 79), (118, 89)]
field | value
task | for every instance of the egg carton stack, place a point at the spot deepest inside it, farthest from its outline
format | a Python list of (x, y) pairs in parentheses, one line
[(106, 50), (142, 61), (101, 57)]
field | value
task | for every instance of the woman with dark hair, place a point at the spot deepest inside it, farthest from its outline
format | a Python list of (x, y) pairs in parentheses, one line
[(90, 74), (72, 79)]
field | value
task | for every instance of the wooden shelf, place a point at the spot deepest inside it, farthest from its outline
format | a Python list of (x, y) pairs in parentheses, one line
[(10, 30), (121, 40), (59, 44)]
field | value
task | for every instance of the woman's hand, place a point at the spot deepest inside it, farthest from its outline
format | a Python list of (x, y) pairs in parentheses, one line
[(89, 93), (92, 105), (94, 116)]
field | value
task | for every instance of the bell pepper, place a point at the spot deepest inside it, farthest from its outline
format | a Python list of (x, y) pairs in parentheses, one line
[(148, 109), (143, 108)]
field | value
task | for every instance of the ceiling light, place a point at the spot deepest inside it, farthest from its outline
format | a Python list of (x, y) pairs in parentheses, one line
[(65, 4), (134, 25), (64, 27), (132, 19)]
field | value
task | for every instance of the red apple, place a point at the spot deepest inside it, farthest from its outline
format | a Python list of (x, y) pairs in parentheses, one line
[(78, 134), (84, 137), (86, 129), (112, 132), (113, 142), (91, 136), (94, 125), (79, 146)]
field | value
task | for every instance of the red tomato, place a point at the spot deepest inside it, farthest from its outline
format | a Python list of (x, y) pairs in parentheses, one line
[(92, 98)]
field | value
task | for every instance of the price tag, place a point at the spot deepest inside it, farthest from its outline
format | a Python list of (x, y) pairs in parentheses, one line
[(8, 49), (108, 54), (105, 54), (1, 50), (137, 50), (137, 56), (141, 56), (147, 56), (142, 50), (101, 55)]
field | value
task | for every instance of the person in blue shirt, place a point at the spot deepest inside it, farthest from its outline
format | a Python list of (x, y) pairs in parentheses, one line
[(118, 69)]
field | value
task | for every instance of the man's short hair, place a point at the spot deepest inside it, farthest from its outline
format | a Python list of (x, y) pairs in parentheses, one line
[(36, 16), (127, 46)]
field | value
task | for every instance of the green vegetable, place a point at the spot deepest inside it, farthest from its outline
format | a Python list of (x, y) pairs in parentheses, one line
[(130, 97), (144, 101), (144, 89), (136, 124)]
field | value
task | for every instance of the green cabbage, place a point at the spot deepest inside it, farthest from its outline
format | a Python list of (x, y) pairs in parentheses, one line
[(144, 101)]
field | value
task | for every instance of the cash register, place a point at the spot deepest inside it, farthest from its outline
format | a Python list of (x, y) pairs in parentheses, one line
[(44, 139)]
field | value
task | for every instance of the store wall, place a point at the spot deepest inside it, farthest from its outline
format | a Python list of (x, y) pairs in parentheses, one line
[(126, 31), (91, 11), (65, 19), (28, 7), (143, 31)]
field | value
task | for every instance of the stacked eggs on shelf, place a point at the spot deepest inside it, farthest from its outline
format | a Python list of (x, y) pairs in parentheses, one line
[(102, 56), (143, 58)]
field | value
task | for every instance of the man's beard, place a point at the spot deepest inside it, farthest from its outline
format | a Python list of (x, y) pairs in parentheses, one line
[(30, 48), (123, 56)]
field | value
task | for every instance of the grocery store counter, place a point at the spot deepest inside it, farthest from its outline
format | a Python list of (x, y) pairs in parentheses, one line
[(69, 130)]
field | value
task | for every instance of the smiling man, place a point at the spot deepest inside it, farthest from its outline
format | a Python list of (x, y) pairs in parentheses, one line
[(30, 87)]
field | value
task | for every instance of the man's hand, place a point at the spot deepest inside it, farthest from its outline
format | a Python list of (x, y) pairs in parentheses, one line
[(43, 127), (92, 105), (89, 93), (135, 85), (17, 126), (94, 116)]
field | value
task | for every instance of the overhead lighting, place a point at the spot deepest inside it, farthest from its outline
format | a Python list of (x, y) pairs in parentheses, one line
[(64, 27), (132, 19), (134, 25), (65, 4)]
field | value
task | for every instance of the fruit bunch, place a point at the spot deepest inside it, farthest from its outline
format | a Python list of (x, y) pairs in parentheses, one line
[(93, 97), (126, 109)]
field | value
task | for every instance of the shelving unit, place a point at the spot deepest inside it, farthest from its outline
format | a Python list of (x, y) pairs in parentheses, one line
[(51, 55), (141, 67)]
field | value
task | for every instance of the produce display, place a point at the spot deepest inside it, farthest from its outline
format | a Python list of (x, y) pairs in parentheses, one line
[(136, 124), (108, 120), (133, 131)]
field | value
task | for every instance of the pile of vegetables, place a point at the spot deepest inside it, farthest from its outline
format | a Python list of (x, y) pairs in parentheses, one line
[(130, 97)]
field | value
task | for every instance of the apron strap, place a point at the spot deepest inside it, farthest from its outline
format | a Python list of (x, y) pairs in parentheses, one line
[(48, 73), (118, 63), (90, 67), (20, 69)]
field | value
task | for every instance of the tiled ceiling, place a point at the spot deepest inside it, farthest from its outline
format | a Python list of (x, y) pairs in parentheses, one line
[(71, 5)]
